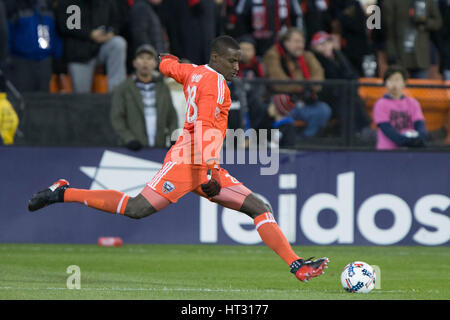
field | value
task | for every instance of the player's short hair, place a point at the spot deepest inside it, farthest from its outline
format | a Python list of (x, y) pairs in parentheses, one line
[(395, 69), (222, 43)]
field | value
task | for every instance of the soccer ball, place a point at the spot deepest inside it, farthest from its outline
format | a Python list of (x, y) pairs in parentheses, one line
[(358, 277)]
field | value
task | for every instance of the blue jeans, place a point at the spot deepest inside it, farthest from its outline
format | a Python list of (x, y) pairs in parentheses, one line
[(418, 74), (447, 74), (315, 115), (113, 55)]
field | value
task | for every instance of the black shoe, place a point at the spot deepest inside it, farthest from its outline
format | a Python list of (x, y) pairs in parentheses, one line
[(304, 270), (54, 193)]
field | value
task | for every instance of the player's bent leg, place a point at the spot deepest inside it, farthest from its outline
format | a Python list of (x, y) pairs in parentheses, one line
[(231, 197), (274, 238), (145, 204), (241, 199), (138, 207), (236, 196), (112, 201), (254, 206), (268, 228)]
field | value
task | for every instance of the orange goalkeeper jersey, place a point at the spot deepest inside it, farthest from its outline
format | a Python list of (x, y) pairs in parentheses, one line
[(207, 103)]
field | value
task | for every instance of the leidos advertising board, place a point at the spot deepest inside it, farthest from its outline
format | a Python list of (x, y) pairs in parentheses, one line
[(360, 198)]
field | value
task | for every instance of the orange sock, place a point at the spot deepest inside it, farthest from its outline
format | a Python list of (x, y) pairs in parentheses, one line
[(106, 200), (274, 238)]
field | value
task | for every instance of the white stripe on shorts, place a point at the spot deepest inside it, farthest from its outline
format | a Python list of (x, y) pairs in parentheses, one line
[(161, 174)]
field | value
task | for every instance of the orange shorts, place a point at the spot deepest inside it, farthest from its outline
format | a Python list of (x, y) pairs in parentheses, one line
[(174, 180)]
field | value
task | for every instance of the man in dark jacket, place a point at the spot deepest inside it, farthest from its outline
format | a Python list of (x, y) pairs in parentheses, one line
[(337, 66), (96, 41), (442, 39), (3, 36), (191, 27), (408, 25), (145, 26), (142, 112), (316, 16), (356, 41)]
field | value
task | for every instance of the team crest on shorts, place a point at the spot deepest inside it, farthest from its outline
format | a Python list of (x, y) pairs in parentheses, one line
[(168, 187)]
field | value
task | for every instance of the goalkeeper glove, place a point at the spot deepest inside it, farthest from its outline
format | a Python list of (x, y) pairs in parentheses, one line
[(213, 186)]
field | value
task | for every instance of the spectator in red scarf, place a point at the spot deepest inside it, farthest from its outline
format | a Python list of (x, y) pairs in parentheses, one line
[(288, 60), (250, 66)]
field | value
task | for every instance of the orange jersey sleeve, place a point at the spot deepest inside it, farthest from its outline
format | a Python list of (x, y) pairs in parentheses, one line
[(170, 67)]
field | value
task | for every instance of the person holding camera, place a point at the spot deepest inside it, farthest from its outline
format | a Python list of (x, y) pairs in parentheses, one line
[(408, 27), (336, 66), (288, 60)]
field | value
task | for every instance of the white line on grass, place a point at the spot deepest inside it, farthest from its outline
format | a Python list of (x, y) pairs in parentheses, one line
[(149, 289), (197, 290)]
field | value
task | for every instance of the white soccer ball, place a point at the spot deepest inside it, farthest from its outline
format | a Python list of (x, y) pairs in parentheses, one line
[(358, 277)]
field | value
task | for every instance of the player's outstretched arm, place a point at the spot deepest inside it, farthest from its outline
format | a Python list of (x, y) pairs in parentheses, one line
[(171, 67), (166, 55)]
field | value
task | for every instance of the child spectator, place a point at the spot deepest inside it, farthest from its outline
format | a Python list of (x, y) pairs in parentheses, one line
[(399, 118)]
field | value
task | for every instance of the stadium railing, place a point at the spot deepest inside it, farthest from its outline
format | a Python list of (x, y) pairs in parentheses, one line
[(433, 96), (47, 114)]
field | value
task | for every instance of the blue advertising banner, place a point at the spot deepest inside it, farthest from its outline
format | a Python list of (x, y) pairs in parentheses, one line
[(320, 197)]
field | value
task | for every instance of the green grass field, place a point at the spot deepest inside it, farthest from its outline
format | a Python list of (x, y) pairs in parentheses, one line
[(38, 271)]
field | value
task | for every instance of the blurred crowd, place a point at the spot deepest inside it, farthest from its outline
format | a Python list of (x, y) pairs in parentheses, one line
[(280, 39)]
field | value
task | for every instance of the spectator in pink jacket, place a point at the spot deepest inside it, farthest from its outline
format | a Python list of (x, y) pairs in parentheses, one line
[(399, 118)]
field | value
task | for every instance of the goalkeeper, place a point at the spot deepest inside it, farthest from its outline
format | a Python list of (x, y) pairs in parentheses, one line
[(192, 164)]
